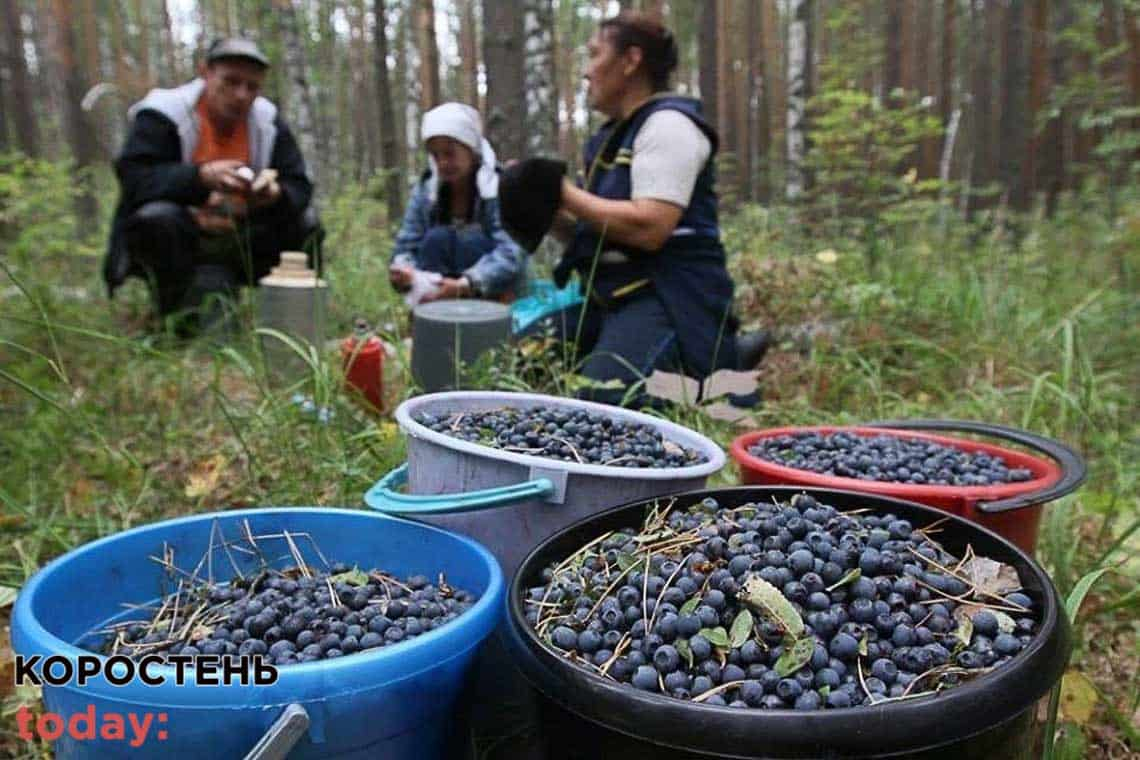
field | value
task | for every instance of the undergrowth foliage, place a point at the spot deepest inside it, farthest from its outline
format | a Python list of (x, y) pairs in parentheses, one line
[(1030, 321)]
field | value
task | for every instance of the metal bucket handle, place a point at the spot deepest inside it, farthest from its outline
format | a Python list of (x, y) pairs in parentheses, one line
[(549, 485), (282, 736), (1073, 467)]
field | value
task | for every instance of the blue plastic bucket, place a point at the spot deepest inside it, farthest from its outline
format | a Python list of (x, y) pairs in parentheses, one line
[(394, 702)]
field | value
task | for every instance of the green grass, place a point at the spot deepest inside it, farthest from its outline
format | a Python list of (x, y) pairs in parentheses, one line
[(106, 427)]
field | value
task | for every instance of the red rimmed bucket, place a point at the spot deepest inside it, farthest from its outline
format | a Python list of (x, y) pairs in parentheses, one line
[(1012, 510)]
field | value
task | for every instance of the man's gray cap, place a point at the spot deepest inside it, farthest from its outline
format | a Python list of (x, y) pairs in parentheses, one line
[(236, 47)]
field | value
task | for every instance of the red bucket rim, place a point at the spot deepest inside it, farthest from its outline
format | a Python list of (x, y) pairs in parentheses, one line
[(1046, 472)]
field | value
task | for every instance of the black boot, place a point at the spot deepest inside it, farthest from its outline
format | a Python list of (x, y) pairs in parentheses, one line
[(751, 348)]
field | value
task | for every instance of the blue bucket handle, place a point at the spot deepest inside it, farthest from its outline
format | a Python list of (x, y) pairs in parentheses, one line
[(385, 497), (282, 736)]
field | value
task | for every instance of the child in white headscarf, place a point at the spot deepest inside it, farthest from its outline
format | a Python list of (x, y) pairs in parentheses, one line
[(451, 243)]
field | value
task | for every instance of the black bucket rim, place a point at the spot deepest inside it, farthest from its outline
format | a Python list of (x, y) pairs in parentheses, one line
[(882, 730)]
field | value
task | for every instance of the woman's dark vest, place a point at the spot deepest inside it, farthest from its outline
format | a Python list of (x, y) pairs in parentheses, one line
[(688, 273)]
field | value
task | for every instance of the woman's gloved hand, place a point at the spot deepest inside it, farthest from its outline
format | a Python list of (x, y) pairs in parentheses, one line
[(530, 192)]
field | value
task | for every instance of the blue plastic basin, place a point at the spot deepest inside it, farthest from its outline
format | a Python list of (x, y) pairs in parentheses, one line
[(394, 702)]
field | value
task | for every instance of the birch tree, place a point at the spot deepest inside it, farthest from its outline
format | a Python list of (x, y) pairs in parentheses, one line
[(541, 79), (21, 116), (302, 109), (799, 78)]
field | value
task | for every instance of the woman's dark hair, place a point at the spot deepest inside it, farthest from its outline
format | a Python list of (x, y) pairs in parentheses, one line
[(658, 48)]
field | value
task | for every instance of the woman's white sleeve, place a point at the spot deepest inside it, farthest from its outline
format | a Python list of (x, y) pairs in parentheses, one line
[(669, 153)]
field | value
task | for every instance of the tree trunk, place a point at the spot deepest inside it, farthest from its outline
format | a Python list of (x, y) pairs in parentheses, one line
[(390, 158), (799, 79), (88, 41), (469, 53), (723, 71), (708, 62), (947, 69), (141, 18), (119, 52), (541, 94), (324, 85), (982, 171), (1132, 34), (927, 74), (1014, 133), (429, 55), (892, 63), (726, 104), (171, 61), (22, 115), (369, 108), (79, 132), (908, 68), (1040, 139), (503, 54), (776, 91), (750, 100), (359, 110), (303, 112), (568, 30), (762, 76)]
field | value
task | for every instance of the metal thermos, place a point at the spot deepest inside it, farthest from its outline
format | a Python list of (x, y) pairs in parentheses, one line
[(291, 300)]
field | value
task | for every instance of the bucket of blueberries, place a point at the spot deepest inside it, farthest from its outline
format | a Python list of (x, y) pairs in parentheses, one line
[(371, 624), (779, 622), (511, 469), (1001, 488)]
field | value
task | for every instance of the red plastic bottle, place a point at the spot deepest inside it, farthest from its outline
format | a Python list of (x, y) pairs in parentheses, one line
[(364, 366)]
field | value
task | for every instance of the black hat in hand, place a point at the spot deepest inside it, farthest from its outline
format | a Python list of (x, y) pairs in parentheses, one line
[(530, 193)]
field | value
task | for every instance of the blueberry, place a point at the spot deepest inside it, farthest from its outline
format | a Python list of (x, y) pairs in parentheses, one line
[(588, 641), (838, 699), (801, 561), (732, 673), (252, 646), (666, 659), (789, 689), (903, 636), (564, 638), (844, 647), (645, 678), (885, 670), (1005, 644)]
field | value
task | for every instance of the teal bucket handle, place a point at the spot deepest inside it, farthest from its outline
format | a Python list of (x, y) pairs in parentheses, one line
[(385, 497)]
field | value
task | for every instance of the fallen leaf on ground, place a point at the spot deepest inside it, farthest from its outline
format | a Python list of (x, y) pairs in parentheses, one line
[(1078, 697), (204, 479)]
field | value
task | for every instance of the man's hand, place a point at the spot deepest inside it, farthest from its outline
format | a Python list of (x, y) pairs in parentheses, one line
[(264, 191), (400, 277), (450, 288), (223, 176)]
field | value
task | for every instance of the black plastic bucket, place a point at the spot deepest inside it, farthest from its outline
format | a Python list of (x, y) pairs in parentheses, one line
[(994, 717)]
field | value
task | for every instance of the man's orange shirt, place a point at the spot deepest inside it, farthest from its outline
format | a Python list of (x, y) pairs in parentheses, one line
[(213, 145)]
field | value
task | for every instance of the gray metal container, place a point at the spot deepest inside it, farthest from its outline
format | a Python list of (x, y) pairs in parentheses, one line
[(291, 300), (520, 500), (448, 335)]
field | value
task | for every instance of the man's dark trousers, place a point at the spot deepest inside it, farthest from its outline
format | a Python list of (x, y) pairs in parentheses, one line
[(167, 247)]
